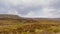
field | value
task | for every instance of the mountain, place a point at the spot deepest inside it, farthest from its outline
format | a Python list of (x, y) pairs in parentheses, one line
[(7, 16), (27, 20), (14, 24)]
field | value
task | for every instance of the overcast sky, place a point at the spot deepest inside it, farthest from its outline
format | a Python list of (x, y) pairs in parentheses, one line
[(31, 8)]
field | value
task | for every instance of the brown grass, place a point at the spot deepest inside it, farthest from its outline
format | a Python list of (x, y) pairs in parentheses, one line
[(9, 26)]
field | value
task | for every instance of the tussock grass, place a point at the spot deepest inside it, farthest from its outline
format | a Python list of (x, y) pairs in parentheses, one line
[(29, 27)]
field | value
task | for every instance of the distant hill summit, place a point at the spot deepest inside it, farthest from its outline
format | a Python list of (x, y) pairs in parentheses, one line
[(8, 16), (16, 18)]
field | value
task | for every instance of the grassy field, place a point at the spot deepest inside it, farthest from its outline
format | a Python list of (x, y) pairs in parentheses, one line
[(10, 26)]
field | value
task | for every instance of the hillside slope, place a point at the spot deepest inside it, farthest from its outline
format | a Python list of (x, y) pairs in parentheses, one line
[(13, 24)]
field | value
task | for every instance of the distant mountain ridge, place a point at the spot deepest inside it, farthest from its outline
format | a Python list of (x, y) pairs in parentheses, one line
[(8, 16)]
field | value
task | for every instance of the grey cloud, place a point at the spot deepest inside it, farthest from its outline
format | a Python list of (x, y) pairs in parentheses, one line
[(32, 7)]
